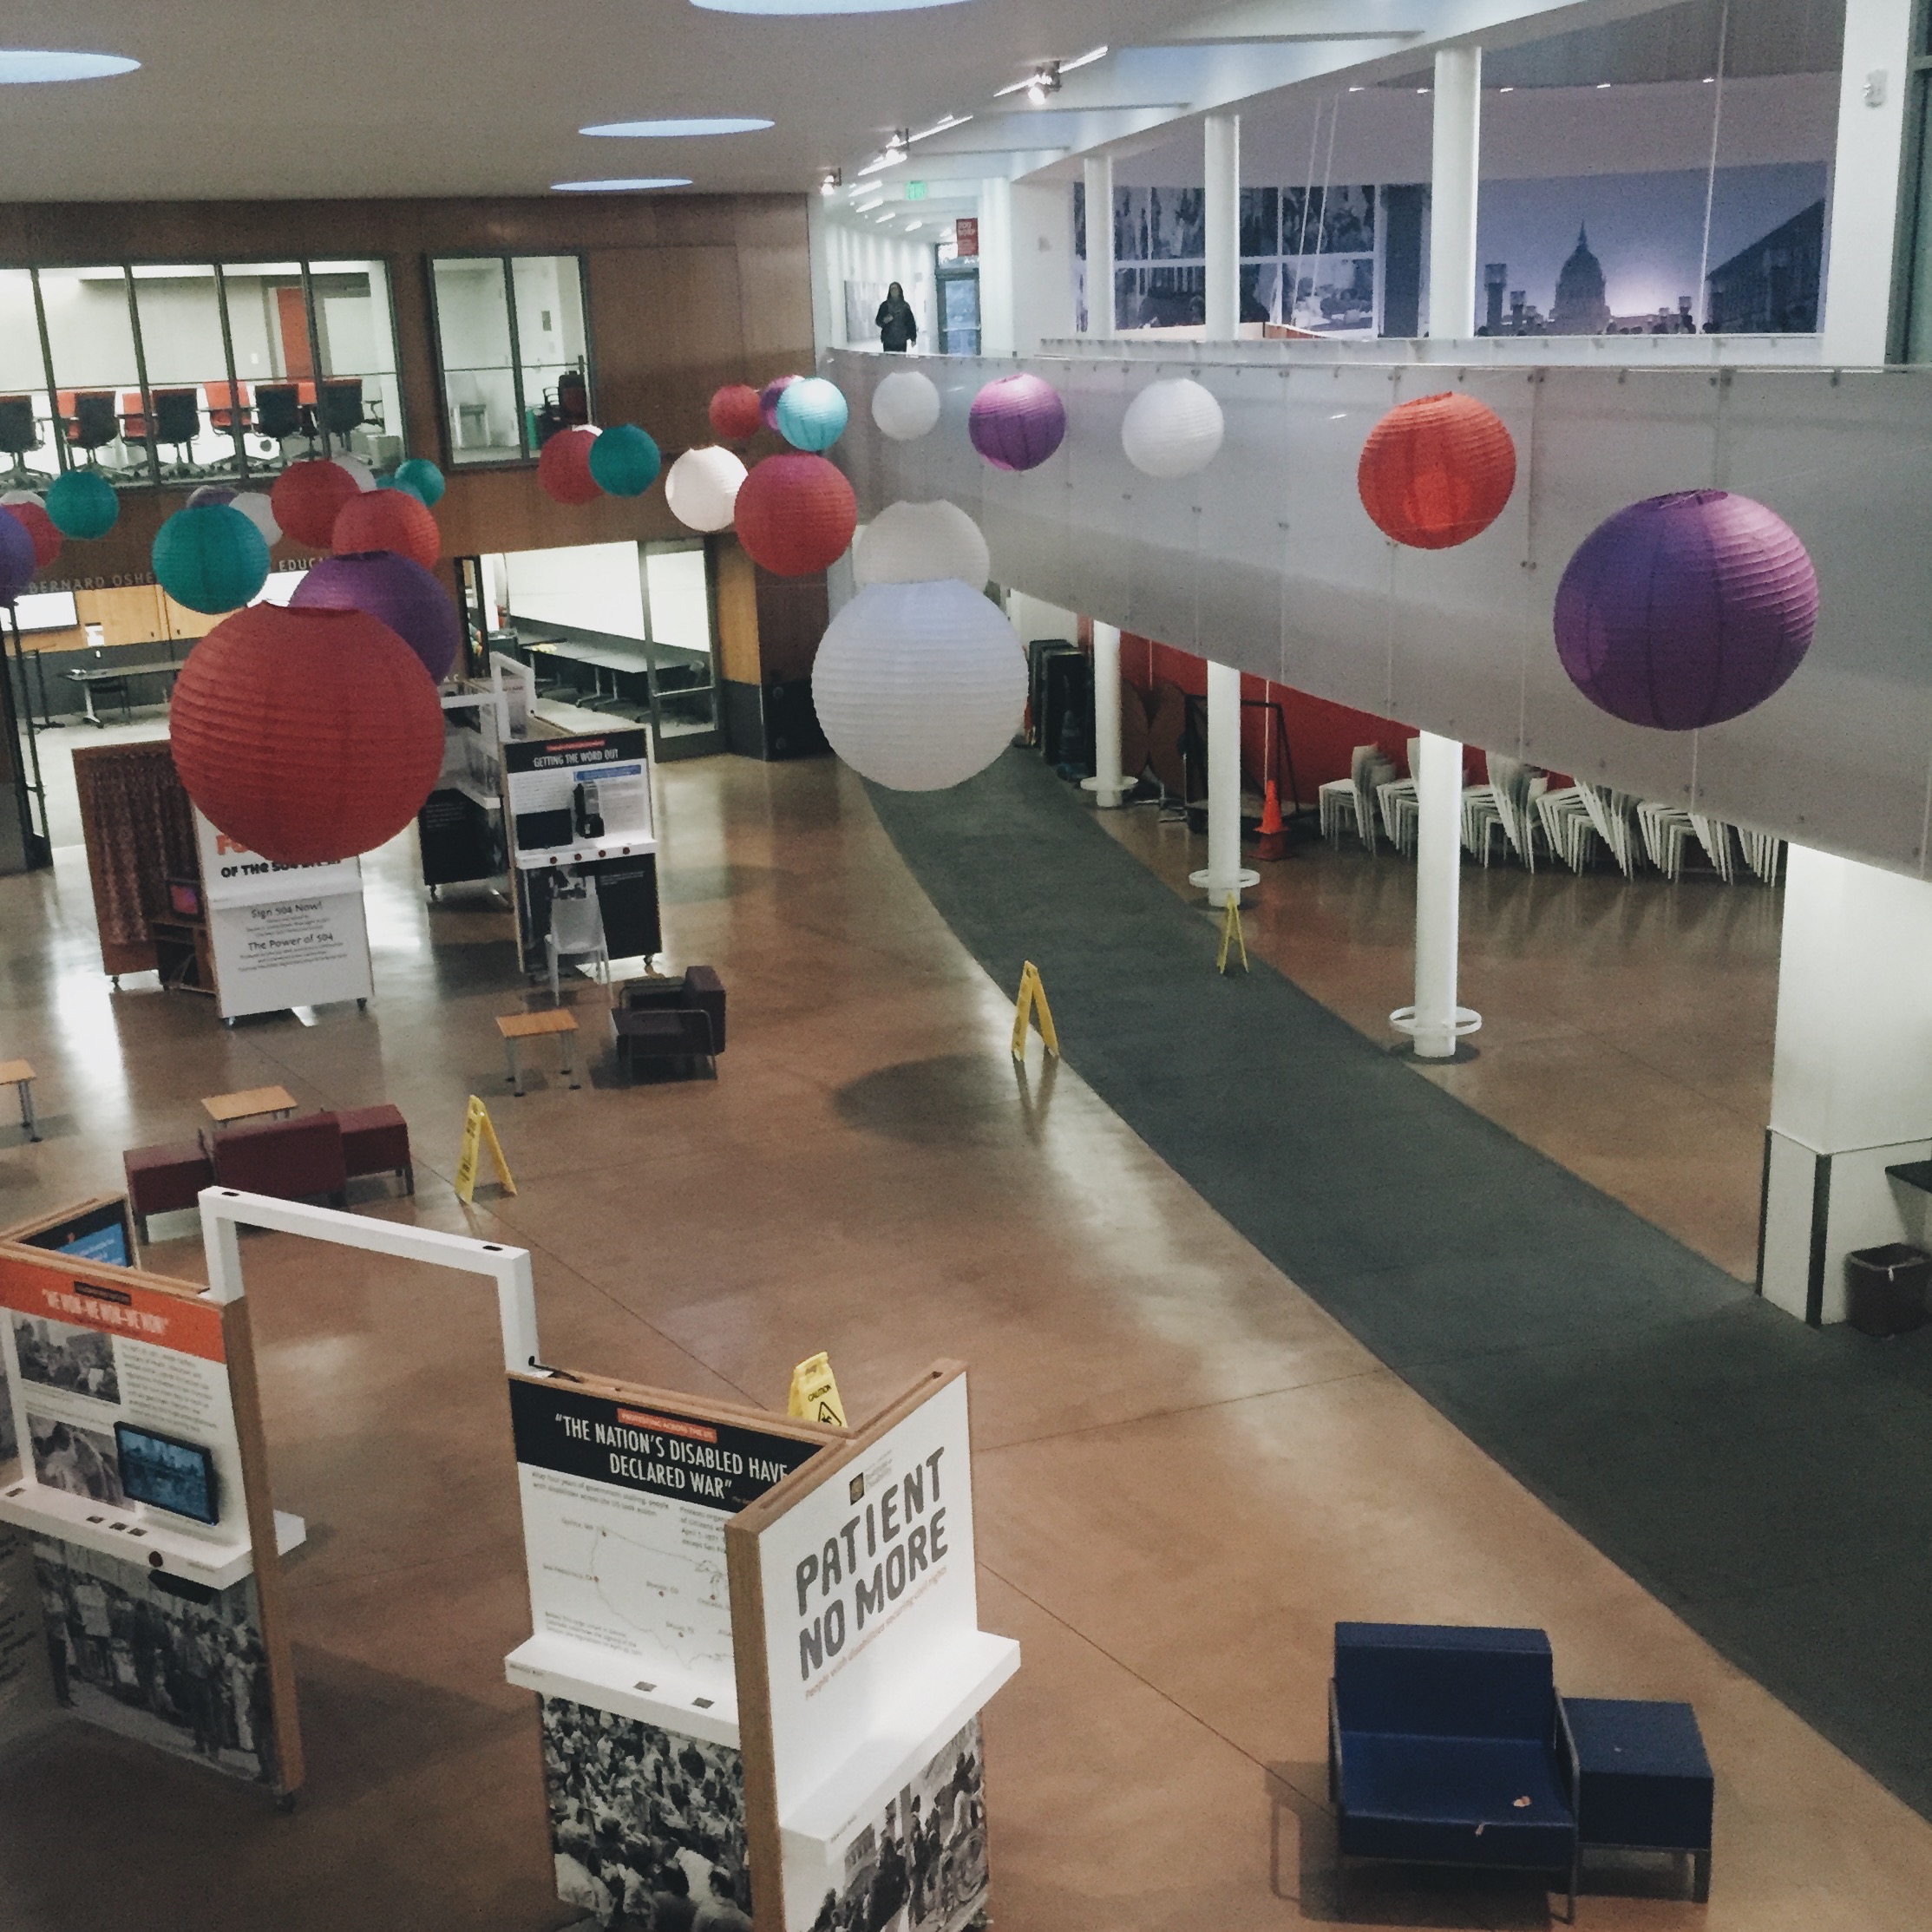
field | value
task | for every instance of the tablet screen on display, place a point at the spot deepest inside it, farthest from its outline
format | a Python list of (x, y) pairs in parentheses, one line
[(167, 1474)]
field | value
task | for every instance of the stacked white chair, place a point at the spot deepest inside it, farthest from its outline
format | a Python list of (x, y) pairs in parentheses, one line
[(576, 932), (1482, 820), (1763, 852), (1613, 819), (1569, 826), (1666, 829), (1353, 798), (1714, 835), (1401, 806), (1517, 787)]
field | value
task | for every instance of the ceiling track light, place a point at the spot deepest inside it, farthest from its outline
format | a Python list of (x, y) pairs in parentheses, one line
[(1043, 81), (941, 126)]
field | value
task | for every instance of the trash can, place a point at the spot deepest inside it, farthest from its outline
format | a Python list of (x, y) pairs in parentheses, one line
[(1885, 1289)]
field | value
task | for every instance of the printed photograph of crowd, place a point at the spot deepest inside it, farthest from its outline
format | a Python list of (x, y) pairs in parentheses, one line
[(61, 1355), (923, 1867), (648, 1828), (185, 1673), (83, 1462), (10, 1439)]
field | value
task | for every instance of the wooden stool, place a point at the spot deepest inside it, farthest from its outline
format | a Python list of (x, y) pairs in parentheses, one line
[(22, 1076), (526, 1027)]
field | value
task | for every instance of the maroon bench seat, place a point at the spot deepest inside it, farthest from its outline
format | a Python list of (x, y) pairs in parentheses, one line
[(164, 1178), (287, 1159), (375, 1140)]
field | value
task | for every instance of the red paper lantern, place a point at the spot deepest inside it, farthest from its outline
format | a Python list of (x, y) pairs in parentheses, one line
[(1436, 471), (307, 734), (307, 499), (563, 466), (735, 412), (40, 527), (795, 514), (389, 520)]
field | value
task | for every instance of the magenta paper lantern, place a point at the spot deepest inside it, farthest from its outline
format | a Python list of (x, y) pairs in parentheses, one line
[(1686, 609), (768, 398), (394, 589), (1017, 422)]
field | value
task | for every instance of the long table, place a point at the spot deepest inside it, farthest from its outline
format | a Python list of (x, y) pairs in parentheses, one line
[(106, 680)]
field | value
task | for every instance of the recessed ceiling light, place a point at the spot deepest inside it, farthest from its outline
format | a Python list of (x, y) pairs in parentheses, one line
[(794, 8), (1601, 85), (23, 66), (621, 188), (1506, 90), (671, 130)]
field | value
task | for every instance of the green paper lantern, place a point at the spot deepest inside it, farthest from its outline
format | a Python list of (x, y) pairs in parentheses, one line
[(624, 461), (211, 559), (421, 478), (408, 489), (83, 503)]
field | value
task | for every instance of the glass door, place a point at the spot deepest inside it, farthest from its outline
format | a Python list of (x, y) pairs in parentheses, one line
[(680, 618)]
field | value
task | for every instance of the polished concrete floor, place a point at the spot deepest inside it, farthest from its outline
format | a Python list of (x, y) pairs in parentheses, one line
[(1186, 1470)]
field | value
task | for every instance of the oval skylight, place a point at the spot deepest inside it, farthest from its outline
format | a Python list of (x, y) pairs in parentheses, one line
[(24, 66), (673, 130), (621, 188)]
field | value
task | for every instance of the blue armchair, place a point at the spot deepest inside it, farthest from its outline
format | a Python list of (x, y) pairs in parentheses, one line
[(1448, 1746)]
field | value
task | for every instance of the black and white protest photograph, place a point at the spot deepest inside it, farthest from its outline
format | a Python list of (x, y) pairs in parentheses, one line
[(10, 1437), (647, 1826), (61, 1355), (83, 1462), (173, 1665)]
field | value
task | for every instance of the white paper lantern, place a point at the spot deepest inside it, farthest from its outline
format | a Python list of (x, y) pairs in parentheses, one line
[(913, 543), (904, 405), (1172, 428), (255, 506), (918, 686), (365, 477), (702, 488), (22, 497)]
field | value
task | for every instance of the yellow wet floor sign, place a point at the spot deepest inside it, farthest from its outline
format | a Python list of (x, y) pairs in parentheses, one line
[(1231, 933), (478, 1134), (815, 1393), (1032, 1001)]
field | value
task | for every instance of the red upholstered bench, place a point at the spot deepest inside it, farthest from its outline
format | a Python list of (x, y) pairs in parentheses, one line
[(288, 1159), (375, 1140), (163, 1180)]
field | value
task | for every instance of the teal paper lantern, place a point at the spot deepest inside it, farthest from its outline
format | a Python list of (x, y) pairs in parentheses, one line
[(82, 504), (211, 559), (408, 489), (812, 413), (624, 461), (421, 477)]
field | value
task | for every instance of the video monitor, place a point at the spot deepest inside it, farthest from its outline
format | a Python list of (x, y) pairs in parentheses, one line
[(184, 898), (167, 1474)]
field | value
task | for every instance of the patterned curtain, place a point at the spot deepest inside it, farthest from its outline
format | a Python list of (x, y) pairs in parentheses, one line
[(138, 830)]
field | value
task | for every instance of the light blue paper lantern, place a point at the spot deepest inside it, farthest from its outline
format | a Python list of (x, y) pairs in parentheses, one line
[(812, 413), (421, 478)]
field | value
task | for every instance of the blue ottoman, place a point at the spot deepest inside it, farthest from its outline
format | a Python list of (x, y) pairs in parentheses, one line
[(1643, 1780)]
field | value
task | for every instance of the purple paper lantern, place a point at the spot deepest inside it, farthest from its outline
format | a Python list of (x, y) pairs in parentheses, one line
[(768, 398), (396, 589), (210, 493), (18, 561), (1686, 609), (1017, 422)]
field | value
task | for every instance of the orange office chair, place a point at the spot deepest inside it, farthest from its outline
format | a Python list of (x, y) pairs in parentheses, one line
[(134, 416), (227, 407)]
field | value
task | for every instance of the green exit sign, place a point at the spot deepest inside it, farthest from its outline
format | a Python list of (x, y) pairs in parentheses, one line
[(915, 190)]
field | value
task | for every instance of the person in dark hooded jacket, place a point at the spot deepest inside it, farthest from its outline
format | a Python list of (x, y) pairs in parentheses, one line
[(897, 325)]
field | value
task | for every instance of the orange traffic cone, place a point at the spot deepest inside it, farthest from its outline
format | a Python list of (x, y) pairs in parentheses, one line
[(1273, 841)]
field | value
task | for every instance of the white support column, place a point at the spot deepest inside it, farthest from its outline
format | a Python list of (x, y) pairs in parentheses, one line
[(1454, 166), (1100, 171), (1868, 185), (1434, 1023), (1851, 1078), (1108, 781), (996, 266), (1224, 872), (1221, 208)]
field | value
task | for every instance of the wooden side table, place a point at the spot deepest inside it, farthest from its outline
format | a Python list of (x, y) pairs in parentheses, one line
[(22, 1076), (225, 1109), (527, 1026)]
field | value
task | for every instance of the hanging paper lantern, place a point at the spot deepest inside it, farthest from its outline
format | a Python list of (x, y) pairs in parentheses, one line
[(308, 497), (735, 413), (256, 507), (1172, 428), (624, 461), (208, 493), (1686, 609), (364, 476), (393, 484), (8, 498), (388, 520), (563, 466), (40, 530), (768, 399), (702, 488), (16, 559), (1436, 471), (419, 474), (795, 514), (306, 734), (1017, 422), (919, 686), (83, 503), (913, 543), (812, 413), (211, 559), (906, 405), (398, 592)]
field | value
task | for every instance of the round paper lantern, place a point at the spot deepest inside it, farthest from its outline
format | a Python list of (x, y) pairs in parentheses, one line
[(919, 686), (1172, 428), (364, 476), (914, 543), (906, 405), (307, 734), (210, 493), (563, 466), (260, 512), (419, 474), (211, 559), (795, 514), (16, 559), (1017, 422), (82, 504), (735, 413), (624, 461), (768, 399), (702, 488), (1686, 609), (1436, 471), (39, 528), (388, 520), (398, 592), (8, 498), (308, 497), (812, 413)]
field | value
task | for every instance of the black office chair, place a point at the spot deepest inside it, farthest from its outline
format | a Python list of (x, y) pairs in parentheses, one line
[(93, 418), (340, 405), (19, 432), (279, 414), (178, 422)]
